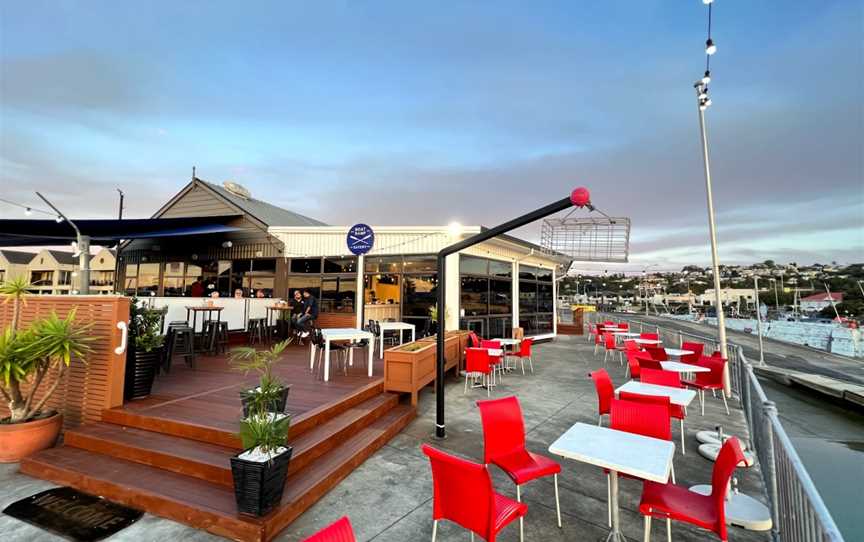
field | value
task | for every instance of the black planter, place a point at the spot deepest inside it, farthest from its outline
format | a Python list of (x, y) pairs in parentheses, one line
[(276, 406), (258, 486), (141, 368)]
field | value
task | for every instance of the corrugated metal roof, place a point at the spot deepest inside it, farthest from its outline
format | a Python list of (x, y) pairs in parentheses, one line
[(267, 213)]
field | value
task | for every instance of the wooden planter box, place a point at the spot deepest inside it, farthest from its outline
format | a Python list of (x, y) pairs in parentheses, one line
[(407, 370)]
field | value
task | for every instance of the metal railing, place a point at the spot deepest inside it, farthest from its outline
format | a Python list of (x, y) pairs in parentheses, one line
[(798, 512)]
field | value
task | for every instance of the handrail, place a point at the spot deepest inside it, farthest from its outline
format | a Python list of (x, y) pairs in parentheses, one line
[(797, 509)]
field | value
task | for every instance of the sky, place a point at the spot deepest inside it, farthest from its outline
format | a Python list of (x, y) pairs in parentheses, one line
[(407, 113)]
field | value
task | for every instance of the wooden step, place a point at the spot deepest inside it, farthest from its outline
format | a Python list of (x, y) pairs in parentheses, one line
[(207, 505), (223, 434), (211, 462)]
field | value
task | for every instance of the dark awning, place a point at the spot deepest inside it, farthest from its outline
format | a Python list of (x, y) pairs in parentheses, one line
[(51, 232)]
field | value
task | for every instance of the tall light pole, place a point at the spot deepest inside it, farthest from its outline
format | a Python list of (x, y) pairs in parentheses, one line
[(83, 248), (759, 319)]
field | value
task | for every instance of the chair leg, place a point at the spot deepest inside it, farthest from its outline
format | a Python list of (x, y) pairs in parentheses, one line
[(557, 500), (466, 383), (702, 401), (672, 468), (472, 537), (683, 450), (434, 529), (521, 519), (725, 404), (668, 529), (531, 363), (647, 537)]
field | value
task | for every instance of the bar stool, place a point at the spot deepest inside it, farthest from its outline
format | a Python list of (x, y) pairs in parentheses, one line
[(180, 340), (257, 330), (221, 337)]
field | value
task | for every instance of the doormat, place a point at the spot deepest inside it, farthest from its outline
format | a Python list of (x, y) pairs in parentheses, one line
[(73, 515)]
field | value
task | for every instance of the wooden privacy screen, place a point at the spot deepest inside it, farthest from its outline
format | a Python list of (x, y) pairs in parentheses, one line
[(89, 387)]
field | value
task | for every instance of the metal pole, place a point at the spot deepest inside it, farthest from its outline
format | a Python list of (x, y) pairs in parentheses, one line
[(769, 467), (542, 212), (759, 320), (712, 231), (83, 246), (119, 248)]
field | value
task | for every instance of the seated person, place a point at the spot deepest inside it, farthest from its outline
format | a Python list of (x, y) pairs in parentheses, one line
[(298, 307), (310, 312)]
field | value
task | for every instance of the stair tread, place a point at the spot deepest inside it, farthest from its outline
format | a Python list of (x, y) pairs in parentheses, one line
[(202, 494)]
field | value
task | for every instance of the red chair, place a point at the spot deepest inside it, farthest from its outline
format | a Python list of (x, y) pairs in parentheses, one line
[(605, 392), (463, 494), (496, 361), (524, 353), (475, 340), (675, 411), (696, 348), (671, 501), (712, 380), (504, 446), (646, 361), (661, 377), (598, 339), (633, 367), (609, 343), (657, 353), (624, 326), (478, 365), (338, 531), (650, 336)]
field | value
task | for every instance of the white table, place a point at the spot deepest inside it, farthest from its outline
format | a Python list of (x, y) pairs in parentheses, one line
[(677, 352), (677, 396), (508, 342), (394, 326), (678, 367), (647, 341), (636, 455), (625, 333), (341, 334)]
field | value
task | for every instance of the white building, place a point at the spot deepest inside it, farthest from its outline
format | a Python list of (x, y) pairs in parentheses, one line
[(13, 264), (817, 302)]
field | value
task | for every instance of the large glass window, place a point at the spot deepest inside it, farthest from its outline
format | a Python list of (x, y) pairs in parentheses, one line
[(536, 302), (148, 279), (312, 283), (64, 278), (382, 289), (172, 281), (306, 265), (384, 264), (338, 294), (421, 293), (42, 278), (332, 280), (486, 296), (340, 265), (131, 278)]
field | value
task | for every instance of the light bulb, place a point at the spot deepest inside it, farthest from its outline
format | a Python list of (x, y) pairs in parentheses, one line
[(710, 48), (454, 229), (706, 2), (28, 211), (58, 219), (703, 94), (706, 78)]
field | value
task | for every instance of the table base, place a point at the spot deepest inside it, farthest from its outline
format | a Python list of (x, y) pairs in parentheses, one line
[(742, 510)]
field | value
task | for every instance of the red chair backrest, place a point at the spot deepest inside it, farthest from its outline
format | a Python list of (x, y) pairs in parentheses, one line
[(696, 348), (610, 341), (633, 362), (657, 353), (646, 361), (650, 420), (651, 336), (715, 377), (661, 377), (727, 460), (624, 326), (338, 531), (487, 343), (462, 491), (631, 346), (475, 340), (503, 427), (609, 323), (605, 389), (477, 360), (525, 348)]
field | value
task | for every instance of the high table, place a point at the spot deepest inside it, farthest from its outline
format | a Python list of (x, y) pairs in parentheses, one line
[(628, 453), (677, 396), (678, 367), (341, 334), (209, 309), (270, 310), (399, 326)]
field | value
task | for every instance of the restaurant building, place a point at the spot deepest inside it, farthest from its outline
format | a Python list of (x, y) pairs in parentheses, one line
[(492, 287)]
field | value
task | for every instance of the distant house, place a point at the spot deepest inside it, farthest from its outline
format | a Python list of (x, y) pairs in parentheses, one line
[(51, 272), (817, 302), (13, 264)]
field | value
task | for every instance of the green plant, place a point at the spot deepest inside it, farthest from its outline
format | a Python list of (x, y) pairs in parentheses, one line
[(265, 431), (15, 290), (145, 327), (28, 356), (246, 359)]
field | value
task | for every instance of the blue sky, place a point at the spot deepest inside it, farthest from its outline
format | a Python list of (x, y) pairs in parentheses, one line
[(402, 113)]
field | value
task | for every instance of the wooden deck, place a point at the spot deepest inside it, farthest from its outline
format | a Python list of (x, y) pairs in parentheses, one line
[(168, 454)]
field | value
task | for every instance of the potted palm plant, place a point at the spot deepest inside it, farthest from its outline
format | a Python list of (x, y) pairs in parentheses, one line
[(271, 394), (259, 472), (33, 363), (144, 356)]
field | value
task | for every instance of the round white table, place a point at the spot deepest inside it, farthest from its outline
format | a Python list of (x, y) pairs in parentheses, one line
[(742, 510), (677, 352)]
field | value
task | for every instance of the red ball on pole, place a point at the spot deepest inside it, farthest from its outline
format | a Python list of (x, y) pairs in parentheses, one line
[(580, 197)]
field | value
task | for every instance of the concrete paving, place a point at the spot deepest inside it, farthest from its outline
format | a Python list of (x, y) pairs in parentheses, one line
[(389, 497)]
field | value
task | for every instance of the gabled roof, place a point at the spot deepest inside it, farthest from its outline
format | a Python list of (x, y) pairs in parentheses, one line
[(63, 257), (17, 256), (267, 213), (836, 296)]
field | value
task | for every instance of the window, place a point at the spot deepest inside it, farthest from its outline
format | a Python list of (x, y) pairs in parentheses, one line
[(389, 264), (475, 296), (131, 278), (338, 294), (193, 274), (536, 301), (64, 278), (340, 265), (148, 279), (500, 269), (421, 293), (420, 264), (527, 297), (500, 296), (101, 278), (469, 265), (382, 289), (306, 265), (486, 295), (172, 281), (299, 282), (42, 278)]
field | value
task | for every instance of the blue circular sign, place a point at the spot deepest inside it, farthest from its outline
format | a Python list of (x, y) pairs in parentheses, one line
[(360, 239)]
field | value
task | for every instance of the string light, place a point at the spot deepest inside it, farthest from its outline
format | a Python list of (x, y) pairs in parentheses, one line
[(28, 210), (706, 78), (710, 47), (701, 85)]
